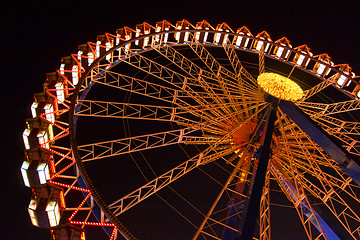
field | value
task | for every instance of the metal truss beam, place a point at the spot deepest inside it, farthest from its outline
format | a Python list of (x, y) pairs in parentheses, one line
[(208, 59), (208, 155), (169, 76), (325, 188), (237, 66), (100, 150), (262, 59), (302, 203), (197, 73), (319, 87), (178, 97), (132, 199), (346, 162), (347, 127), (180, 115), (194, 70), (234, 209), (323, 109)]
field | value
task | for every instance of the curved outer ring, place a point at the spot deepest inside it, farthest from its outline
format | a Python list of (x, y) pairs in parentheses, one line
[(73, 120)]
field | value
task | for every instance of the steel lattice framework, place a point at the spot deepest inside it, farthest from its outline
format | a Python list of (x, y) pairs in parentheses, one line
[(129, 119)]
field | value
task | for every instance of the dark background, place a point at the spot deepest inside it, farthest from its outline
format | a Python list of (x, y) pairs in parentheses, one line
[(36, 34)]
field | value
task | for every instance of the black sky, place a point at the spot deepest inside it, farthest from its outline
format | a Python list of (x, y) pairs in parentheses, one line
[(36, 34)]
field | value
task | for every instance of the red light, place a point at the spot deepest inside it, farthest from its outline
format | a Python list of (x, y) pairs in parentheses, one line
[(63, 170), (54, 90), (78, 208), (70, 187), (92, 224), (113, 233), (61, 154)]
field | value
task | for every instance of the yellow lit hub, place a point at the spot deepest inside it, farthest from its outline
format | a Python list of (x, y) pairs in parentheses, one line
[(280, 86)]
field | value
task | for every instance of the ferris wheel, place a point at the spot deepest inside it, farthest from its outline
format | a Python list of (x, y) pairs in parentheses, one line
[(194, 132)]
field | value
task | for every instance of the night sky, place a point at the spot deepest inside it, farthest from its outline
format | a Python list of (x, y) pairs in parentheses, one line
[(36, 34)]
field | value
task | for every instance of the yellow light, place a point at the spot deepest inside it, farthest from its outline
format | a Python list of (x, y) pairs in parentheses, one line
[(280, 86)]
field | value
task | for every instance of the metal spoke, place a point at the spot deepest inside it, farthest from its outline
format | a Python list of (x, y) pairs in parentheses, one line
[(328, 195), (241, 71), (100, 150), (226, 187), (92, 108), (323, 109), (297, 196), (208, 155), (168, 76), (213, 65), (196, 73), (162, 181), (338, 125), (262, 59), (238, 67), (237, 178), (295, 191), (319, 87)]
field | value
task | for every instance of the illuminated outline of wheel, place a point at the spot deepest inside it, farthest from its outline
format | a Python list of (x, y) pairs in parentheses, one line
[(218, 105)]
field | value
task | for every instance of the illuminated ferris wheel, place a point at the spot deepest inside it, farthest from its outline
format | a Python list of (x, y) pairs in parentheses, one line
[(194, 132)]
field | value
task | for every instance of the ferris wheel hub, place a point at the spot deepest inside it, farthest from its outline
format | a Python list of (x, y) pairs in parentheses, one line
[(280, 86), (243, 135)]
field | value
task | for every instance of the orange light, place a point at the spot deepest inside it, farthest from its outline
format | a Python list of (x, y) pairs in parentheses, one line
[(280, 86)]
